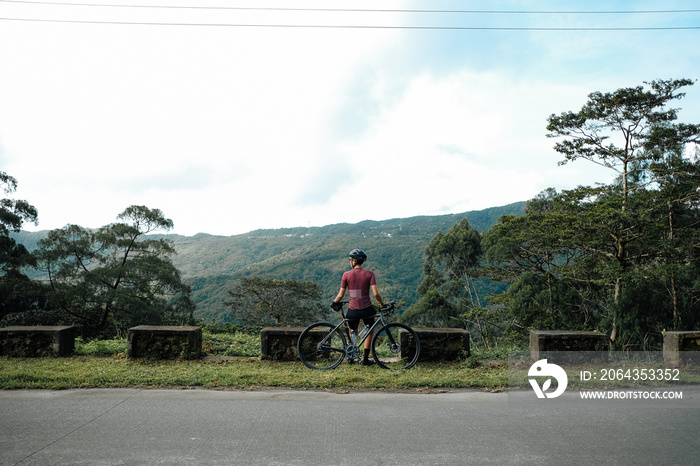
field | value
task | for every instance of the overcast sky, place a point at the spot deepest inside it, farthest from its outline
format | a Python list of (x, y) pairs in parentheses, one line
[(238, 125)]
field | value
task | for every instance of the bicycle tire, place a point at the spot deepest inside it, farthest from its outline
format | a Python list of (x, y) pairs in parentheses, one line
[(321, 346), (395, 347)]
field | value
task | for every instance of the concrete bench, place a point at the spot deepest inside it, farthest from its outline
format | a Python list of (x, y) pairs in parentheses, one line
[(164, 342), (280, 343), (566, 346), (443, 344), (682, 348), (37, 341)]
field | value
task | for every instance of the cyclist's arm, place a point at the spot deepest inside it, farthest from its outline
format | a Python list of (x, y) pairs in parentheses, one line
[(377, 296), (341, 293)]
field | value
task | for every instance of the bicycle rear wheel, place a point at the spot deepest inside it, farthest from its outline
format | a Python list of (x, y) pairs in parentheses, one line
[(321, 346), (395, 346)]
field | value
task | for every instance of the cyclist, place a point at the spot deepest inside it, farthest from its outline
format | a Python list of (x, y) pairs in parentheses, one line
[(358, 282)]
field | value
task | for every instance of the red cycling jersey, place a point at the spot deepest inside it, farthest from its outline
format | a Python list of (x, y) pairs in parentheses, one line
[(358, 282)]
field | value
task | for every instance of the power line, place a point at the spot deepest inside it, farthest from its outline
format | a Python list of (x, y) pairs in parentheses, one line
[(330, 26), (359, 10)]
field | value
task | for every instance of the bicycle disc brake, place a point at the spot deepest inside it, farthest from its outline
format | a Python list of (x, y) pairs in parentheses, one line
[(394, 347)]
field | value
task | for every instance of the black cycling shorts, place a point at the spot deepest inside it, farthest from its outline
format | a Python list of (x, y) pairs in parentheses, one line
[(366, 314)]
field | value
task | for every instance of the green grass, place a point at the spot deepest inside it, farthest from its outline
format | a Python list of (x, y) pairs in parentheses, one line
[(103, 363), (243, 373), (98, 364)]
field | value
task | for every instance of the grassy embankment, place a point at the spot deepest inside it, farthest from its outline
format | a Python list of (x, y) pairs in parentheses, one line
[(104, 364), (236, 365)]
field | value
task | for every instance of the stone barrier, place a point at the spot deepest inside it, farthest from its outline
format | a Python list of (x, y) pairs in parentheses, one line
[(682, 348), (553, 344), (37, 341), (280, 343), (442, 344), (164, 342)]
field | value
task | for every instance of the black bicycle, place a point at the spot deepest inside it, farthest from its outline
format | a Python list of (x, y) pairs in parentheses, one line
[(394, 346)]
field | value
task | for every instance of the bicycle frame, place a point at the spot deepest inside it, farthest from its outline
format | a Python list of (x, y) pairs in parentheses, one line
[(351, 347)]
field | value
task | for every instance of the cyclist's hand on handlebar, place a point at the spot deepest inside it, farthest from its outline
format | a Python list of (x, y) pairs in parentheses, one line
[(388, 306), (336, 306)]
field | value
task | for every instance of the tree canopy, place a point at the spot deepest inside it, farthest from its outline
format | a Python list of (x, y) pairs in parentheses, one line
[(13, 212), (114, 276), (17, 292), (453, 292), (260, 301), (621, 257)]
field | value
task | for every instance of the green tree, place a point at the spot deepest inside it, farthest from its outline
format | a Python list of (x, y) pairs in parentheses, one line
[(433, 307), (13, 212), (451, 292), (17, 292), (115, 275), (625, 131), (263, 301), (532, 242), (533, 254), (675, 209)]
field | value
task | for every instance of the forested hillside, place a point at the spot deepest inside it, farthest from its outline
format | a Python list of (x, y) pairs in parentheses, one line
[(210, 264), (395, 248)]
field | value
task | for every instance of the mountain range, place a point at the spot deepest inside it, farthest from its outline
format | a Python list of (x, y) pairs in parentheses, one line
[(210, 264)]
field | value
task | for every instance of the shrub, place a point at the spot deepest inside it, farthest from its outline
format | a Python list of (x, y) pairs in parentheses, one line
[(231, 344), (100, 347)]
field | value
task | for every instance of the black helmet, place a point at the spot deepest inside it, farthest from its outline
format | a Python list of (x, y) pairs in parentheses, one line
[(359, 255)]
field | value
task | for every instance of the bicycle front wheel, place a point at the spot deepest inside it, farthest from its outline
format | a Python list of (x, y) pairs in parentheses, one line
[(395, 346), (321, 346)]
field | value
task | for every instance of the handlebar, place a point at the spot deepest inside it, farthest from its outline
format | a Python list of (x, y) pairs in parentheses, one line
[(388, 307)]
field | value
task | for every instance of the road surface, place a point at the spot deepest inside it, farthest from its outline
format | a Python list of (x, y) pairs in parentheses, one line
[(280, 427)]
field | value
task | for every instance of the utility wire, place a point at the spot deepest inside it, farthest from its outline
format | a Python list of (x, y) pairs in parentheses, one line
[(330, 26), (358, 10)]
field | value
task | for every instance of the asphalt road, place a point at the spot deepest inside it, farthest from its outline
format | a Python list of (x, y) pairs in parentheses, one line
[(274, 427)]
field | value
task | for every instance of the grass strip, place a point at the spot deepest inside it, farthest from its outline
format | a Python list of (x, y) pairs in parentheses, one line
[(243, 373)]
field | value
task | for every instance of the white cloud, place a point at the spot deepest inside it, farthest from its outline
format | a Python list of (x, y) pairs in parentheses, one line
[(457, 142)]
